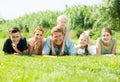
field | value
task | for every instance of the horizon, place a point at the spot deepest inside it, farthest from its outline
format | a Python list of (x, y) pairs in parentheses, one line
[(11, 9)]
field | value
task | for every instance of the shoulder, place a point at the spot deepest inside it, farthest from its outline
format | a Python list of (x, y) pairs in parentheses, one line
[(99, 40), (23, 38), (30, 41), (7, 40), (47, 41), (113, 40)]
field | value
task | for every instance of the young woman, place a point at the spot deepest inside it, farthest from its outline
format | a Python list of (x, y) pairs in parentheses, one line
[(36, 43), (15, 44), (85, 46), (106, 44)]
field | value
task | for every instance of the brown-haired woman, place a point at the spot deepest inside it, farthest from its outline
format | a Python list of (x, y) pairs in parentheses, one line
[(36, 43), (106, 44)]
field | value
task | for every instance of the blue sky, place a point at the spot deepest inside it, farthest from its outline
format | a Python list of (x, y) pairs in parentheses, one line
[(10, 9)]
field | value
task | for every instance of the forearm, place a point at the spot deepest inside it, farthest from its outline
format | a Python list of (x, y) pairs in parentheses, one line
[(17, 51)]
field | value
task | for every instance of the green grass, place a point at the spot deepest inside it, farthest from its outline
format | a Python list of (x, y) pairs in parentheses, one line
[(59, 69)]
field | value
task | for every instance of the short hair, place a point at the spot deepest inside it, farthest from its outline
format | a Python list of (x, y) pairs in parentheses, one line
[(56, 29), (14, 30), (38, 28), (62, 17), (105, 29)]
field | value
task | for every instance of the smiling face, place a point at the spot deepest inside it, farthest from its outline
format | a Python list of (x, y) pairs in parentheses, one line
[(106, 37), (83, 41), (15, 37), (62, 23), (38, 35), (58, 37)]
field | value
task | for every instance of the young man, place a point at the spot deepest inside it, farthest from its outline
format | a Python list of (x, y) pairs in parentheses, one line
[(15, 44), (57, 40)]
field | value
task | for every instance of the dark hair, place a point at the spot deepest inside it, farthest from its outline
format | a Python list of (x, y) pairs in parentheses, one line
[(14, 30)]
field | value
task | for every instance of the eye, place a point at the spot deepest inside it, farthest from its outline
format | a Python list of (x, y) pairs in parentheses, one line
[(84, 40), (17, 36), (37, 34), (103, 35), (107, 34), (41, 35), (13, 36)]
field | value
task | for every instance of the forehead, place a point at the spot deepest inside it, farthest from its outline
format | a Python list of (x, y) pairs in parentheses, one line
[(105, 32), (83, 37), (63, 19), (57, 33), (38, 32), (15, 34)]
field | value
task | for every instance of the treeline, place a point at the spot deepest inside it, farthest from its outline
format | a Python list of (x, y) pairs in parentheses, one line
[(81, 17)]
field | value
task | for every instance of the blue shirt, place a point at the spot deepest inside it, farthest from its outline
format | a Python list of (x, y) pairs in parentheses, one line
[(68, 50)]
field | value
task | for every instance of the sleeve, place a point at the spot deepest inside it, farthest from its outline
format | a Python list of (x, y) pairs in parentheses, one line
[(6, 46), (24, 44), (47, 46), (92, 49), (70, 46)]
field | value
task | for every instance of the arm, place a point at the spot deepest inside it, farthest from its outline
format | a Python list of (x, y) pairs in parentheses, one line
[(63, 45), (114, 49), (5, 53), (16, 49), (47, 47), (70, 47), (53, 49), (98, 47)]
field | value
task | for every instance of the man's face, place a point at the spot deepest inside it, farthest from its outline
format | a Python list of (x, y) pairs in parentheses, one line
[(106, 37), (58, 37), (38, 35), (15, 37)]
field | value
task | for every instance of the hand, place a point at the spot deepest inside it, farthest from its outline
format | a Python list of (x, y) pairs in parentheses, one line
[(62, 52), (14, 45), (37, 44), (16, 54)]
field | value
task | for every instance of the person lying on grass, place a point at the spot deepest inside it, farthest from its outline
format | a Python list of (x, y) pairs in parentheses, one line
[(57, 40), (62, 22), (106, 45), (85, 46), (15, 44), (36, 43)]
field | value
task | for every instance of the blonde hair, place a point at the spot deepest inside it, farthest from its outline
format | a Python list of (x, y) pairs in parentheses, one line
[(56, 29), (62, 17), (85, 35)]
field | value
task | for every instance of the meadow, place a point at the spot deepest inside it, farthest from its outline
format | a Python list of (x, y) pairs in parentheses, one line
[(59, 69)]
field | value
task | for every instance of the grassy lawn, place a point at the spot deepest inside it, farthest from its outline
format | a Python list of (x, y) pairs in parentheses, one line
[(59, 69)]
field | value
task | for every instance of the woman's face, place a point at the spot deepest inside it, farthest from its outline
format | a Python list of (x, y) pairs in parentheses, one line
[(83, 41), (38, 35), (106, 37)]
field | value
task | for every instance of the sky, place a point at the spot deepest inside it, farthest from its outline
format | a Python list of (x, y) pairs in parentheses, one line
[(10, 9)]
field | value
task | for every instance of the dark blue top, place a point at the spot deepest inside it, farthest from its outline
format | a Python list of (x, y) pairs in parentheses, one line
[(7, 47)]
